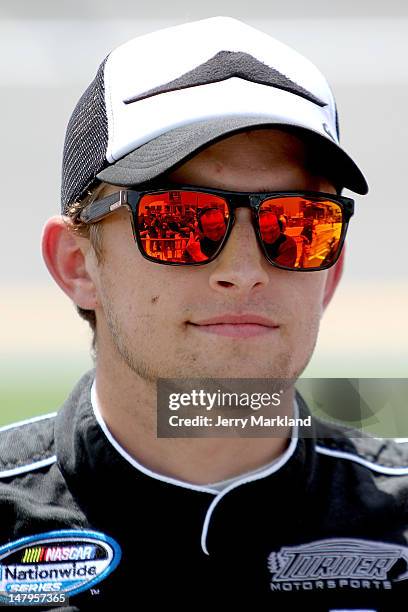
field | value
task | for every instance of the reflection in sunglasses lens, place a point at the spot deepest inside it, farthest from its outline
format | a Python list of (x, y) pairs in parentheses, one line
[(301, 233), (182, 226)]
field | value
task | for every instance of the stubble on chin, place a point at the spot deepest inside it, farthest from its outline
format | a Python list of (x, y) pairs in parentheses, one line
[(190, 362)]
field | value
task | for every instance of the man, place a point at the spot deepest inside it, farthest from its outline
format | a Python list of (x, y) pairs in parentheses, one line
[(96, 508), (211, 228), (278, 244)]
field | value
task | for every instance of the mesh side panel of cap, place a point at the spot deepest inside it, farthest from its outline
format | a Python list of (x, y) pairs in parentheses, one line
[(86, 141)]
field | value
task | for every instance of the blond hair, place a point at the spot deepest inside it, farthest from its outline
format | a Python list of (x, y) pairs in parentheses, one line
[(93, 233)]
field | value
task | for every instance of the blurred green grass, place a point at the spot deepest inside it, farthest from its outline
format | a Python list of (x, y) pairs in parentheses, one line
[(25, 403), (29, 386)]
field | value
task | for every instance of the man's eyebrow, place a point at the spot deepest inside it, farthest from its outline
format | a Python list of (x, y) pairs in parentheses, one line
[(175, 184), (269, 190)]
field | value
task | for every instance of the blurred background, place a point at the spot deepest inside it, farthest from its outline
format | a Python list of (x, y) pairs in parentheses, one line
[(50, 52)]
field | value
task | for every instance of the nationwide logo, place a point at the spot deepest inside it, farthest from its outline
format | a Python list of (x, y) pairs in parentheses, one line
[(65, 562), (76, 570), (338, 564)]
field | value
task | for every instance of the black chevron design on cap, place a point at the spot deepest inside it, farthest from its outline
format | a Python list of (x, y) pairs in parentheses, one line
[(227, 64)]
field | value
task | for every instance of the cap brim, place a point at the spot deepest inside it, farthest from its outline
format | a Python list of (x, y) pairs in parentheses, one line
[(168, 150)]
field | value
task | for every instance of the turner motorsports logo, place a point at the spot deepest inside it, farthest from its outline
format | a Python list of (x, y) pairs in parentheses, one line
[(338, 564)]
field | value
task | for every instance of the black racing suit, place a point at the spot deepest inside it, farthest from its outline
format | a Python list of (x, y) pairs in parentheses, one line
[(326, 531)]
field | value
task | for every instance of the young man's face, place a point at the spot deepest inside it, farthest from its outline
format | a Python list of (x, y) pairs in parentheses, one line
[(213, 224), (151, 317), (269, 226)]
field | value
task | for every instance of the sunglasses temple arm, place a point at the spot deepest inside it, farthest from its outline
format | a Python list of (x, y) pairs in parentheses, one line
[(100, 208)]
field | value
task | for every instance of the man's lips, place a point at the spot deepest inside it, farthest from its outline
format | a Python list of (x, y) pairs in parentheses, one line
[(237, 326)]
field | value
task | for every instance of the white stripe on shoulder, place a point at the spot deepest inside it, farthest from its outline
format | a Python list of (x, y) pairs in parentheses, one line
[(41, 417), (382, 469), (29, 467)]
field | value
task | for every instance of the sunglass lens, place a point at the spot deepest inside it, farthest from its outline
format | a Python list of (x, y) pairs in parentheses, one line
[(301, 233), (181, 226)]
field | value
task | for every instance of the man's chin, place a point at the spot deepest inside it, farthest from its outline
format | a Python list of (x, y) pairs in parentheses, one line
[(281, 368)]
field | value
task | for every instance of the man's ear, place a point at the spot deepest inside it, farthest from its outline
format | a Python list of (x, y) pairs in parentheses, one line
[(64, 254), (334, 275)]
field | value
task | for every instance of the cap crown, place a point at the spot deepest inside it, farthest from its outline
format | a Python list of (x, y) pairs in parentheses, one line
[(208, 69)]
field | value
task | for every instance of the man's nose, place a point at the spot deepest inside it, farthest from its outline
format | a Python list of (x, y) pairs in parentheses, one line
[(241, 265)]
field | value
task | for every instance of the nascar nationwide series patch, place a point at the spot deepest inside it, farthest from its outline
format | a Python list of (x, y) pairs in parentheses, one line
[(50, 567), (342, 563)]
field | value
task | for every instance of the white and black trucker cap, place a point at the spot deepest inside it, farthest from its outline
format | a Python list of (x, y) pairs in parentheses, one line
[(161, 97)]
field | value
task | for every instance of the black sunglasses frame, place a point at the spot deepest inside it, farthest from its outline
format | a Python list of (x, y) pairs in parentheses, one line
[(130, 199)]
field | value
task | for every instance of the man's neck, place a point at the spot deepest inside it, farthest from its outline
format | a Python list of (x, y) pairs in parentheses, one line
[(127, 404)]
